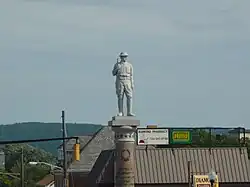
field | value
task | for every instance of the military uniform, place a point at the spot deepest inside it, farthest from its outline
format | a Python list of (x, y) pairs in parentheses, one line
[(124, 84)]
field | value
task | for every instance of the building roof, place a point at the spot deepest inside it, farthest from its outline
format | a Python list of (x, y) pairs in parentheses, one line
[(71, 142), (90, 150), (154, 166), (46, 180), (171, 165)]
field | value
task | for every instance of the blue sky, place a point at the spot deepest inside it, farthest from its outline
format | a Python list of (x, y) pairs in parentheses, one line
[(190, 58)]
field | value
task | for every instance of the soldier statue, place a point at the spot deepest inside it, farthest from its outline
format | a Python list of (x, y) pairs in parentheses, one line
[(124, 84)]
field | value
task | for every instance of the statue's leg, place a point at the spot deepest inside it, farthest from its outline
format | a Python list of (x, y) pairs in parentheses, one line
[(129, 106), (129, 95), (120, 106), (120, 96)]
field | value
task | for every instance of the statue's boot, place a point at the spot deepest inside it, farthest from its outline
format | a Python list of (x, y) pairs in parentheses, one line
[(120, 107), (129, 107)]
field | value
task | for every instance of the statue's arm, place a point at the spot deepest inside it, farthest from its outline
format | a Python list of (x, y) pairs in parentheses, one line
[(114, 71), (132, 75)]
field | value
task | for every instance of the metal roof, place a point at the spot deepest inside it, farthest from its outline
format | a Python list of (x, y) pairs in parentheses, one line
[(171, 165), (167, 165)]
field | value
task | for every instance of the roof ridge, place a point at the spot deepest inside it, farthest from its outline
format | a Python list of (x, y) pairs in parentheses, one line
[(93, 137), (88, 142)]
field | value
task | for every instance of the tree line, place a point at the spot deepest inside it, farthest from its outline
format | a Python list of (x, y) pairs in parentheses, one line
[(204, 138), (11, 176)]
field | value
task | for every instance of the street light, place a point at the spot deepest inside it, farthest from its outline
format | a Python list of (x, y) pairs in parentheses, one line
[(212, 177), (45, 163)]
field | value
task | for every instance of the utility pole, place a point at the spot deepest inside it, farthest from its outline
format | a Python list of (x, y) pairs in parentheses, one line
[(22, 169), (64, 151), (189, 174)]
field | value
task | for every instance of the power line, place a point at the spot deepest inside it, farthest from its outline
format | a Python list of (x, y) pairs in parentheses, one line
[(36, 140)]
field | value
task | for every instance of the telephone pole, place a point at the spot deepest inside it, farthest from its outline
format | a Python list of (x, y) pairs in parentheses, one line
[(22, 168), (64, 150)]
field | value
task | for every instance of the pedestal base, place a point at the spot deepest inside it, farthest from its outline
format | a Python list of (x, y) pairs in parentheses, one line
[(125, 164), (124, 121), (124, 128)]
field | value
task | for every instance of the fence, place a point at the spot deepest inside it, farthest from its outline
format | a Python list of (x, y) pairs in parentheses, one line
[(207, 137)]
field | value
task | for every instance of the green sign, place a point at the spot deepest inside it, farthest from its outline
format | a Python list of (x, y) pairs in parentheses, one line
[(180, 136)]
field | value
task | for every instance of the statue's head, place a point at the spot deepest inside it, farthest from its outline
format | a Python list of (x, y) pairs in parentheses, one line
[(123, 56)]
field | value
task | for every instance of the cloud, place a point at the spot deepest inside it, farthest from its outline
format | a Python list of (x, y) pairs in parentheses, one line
[(86, 27), (63, 24), (188, 55)]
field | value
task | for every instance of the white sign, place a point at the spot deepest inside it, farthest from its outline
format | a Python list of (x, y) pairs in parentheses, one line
[(152, 137)]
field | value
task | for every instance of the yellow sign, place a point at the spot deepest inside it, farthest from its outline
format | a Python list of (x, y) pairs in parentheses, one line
[(203, 181), (181, 135)]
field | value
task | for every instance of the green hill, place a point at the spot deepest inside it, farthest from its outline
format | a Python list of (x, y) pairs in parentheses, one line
[(36, 130)]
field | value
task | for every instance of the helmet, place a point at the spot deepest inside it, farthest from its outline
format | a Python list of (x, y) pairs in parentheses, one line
[(123, 54)]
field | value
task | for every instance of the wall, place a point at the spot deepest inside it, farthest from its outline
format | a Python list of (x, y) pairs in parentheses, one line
[(78, 179), (58, 177)]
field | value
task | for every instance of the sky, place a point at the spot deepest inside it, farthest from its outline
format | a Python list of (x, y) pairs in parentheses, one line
[(190, 59)]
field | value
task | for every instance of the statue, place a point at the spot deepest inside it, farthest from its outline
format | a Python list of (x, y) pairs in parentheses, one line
[(124, 84)]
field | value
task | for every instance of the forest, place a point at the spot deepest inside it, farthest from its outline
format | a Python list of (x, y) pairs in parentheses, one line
[(213, 137), (38, 130), (11, 177)]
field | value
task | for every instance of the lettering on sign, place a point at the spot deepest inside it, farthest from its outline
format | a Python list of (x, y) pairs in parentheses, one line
[(153, 136), (181, 135), (203, 181)]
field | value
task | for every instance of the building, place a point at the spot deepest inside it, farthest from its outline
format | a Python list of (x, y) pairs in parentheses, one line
[(91, 148), (156, 166), (47, 181), (169, 167)]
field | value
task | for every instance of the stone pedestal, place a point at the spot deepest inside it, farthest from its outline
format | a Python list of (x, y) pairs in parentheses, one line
[(124, 128)]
